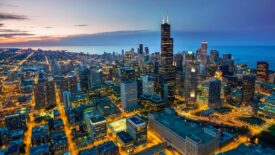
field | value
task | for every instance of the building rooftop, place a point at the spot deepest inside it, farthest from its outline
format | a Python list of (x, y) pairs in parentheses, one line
[(251, 149), (78, 96), (40, 131), (137, 121), (106, 107), (152, 150), (153, 98), (267, 108), (125, 137), (126, 68), (107, 146), (41, 149), (118, 125), (101, 148), (96, 119), (175, 123), (91, 151), (270, 99), (267, 84)]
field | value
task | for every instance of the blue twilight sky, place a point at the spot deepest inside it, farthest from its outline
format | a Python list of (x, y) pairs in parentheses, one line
[(120, 22)]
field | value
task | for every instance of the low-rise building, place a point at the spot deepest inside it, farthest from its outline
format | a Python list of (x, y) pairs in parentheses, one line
[(126, 141), (96, 125), (185, 137), (40, 135), (137, 128), (152, 102)]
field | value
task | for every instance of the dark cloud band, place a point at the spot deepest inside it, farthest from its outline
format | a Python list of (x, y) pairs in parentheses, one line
[(10, 35), (5, 16)]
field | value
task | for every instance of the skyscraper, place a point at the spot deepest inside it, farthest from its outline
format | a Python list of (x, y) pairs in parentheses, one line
[(214, 97), (262, 71), (127, 73), (85, 79), (166, 70), (50, 92), (202, 53), (248, 89), (73, 82), (40, 94), (129, 98), (190, 78), (146, 50), (44, 92), (214, 56), (96, 78), (140, 49), (66, 99), (148, 84)]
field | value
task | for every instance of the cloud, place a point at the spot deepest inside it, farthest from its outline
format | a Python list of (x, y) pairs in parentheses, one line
[(48, 27), (10, 35), (12, 31), (81, 25), (5, 16), (9, 5), (150, 38), (1, 24)]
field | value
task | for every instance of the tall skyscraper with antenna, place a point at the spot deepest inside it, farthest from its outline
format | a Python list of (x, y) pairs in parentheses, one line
[(167, 70)]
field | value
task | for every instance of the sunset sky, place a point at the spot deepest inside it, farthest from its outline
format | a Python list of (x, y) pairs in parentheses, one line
[(35, 22)]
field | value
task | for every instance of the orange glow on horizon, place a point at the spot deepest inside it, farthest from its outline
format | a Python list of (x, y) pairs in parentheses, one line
[(11, 40)]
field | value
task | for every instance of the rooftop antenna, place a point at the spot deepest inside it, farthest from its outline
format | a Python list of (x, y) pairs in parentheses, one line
[(167, 19), (163, 20)]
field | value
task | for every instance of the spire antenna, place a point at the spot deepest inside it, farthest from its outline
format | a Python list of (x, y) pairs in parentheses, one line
[(163, 20), (167, 20)]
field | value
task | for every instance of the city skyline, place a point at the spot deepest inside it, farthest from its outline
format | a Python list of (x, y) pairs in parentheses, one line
[(151, 92), (131, 22)]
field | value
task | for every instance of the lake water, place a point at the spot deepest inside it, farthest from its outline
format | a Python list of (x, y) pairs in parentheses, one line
[(242, 54)]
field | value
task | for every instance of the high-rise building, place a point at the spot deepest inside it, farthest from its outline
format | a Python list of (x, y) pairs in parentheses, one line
[(45, 93), (1, 87), (50, 92), (148, 83), (190, 78), (179, 61), (166, 70), (72, 83), (262, 71), (140, 49), (214, 94), (248, 89), (139, 87), (85, 79), (40, 94), (66, 99), (16, 121), (127, 73), (146, 50), (214, 56), (227, 56), (129, 98), (4, 136), (96, 125), (96, 78), (128, 57), (202, 53), (137, 128)]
